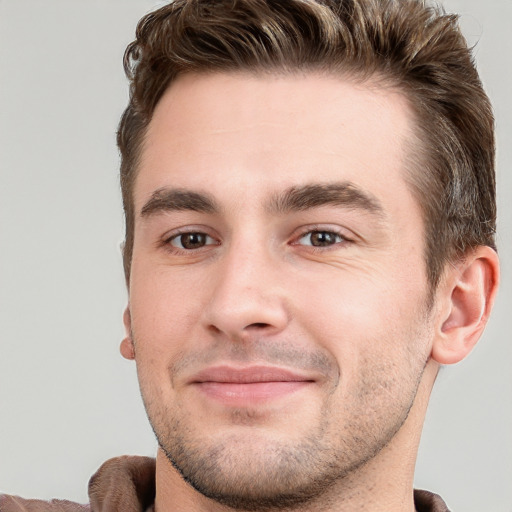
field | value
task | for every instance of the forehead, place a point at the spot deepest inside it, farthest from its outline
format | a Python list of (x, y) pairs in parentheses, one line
[(225, 132)]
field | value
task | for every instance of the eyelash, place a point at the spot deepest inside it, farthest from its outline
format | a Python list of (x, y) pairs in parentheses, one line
[(167, 242), (310, 230)]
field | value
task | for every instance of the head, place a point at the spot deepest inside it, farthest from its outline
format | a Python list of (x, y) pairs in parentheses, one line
[(297, 178), (405, 45)]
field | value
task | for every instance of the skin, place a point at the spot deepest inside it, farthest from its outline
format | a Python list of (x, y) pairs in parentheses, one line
[(227, 273)]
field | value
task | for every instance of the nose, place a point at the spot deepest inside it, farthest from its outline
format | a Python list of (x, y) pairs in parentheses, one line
[(248, 296)]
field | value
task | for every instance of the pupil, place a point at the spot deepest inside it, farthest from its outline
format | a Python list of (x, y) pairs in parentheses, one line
[(193, 240), (322, 238)]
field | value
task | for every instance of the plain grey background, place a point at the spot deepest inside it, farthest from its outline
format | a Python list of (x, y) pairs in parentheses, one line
[(68, 401)]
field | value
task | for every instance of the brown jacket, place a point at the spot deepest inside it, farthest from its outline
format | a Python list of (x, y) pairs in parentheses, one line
[(127, 484)]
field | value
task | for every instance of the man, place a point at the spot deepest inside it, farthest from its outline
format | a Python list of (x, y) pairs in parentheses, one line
[(310, 216)]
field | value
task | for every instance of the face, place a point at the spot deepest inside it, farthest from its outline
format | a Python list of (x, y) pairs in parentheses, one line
[(278, 287)]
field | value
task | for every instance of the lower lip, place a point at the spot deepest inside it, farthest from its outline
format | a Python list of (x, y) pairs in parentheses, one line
[(249, 393)]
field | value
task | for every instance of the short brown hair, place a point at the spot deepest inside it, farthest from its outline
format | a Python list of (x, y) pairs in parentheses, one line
[(418, 49)]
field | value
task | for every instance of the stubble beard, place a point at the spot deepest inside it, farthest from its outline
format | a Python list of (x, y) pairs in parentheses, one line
[(251, 476), (269, 474)]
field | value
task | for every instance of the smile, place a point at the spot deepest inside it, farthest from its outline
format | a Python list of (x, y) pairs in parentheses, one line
[(248, 386)]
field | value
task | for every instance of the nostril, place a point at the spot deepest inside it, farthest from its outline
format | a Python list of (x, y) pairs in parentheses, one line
[(258, 325)]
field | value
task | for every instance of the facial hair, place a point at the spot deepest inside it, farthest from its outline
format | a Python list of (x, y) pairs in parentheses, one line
[(251, 470)]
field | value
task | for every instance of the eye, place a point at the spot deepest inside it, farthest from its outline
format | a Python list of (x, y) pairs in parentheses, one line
[(190, 241), (320, 238)]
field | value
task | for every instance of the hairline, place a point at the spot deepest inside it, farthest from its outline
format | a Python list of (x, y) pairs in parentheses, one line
[(415, 152)]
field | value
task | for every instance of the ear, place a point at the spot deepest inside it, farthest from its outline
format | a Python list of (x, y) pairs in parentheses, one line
[(127, 348), (466, 296)]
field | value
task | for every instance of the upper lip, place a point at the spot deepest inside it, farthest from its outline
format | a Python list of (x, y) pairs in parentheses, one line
[(248, 374)]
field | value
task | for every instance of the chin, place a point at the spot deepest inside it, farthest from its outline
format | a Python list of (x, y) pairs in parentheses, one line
[(255, 473)]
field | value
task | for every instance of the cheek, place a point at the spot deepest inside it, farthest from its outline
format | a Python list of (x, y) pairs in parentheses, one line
[(165, 309), (363, 316)]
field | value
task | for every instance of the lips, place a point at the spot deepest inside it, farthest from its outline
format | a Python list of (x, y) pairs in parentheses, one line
[(249, 385), (248, 375)]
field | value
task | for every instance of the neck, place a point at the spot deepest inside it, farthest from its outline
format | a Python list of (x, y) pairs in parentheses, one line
[(384, 484)]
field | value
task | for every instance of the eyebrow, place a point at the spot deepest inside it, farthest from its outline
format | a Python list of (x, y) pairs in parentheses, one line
[(296, 198), (306, 197), (167, 200)]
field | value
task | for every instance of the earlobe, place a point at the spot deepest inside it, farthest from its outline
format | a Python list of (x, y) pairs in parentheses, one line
[(127, 348), (469, 289)]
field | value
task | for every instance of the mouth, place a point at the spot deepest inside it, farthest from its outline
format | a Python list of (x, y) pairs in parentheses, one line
[(248, 385)]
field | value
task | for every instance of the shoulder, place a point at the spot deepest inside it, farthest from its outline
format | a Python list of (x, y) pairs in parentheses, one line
[(425, 501), (122, 484), (16, 504)]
